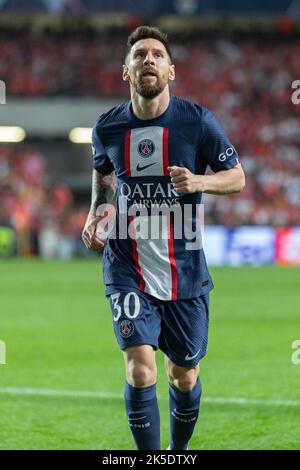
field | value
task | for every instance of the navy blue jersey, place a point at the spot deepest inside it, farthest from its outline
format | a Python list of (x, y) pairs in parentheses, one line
[(157, 258)]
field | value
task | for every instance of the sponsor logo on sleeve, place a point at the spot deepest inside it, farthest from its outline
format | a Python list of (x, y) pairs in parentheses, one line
[(224, 155)]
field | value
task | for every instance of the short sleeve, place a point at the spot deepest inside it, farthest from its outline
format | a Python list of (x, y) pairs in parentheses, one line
[(101, 160), (215, 147)]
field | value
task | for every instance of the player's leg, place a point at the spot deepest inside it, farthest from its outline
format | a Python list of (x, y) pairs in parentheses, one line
[(182, 378), (140, 396), (184, 334), (140, 365), (137, 327), (184, 402)]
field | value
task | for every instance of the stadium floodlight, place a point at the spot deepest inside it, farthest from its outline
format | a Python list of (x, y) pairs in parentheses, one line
[(81, 135), (12, 134)]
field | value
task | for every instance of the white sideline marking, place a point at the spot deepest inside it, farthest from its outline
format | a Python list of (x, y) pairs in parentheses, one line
[(251, 401), (107, 395), (58, 393)]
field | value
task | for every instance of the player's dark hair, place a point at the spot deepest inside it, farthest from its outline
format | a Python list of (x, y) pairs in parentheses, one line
[(148, 32)]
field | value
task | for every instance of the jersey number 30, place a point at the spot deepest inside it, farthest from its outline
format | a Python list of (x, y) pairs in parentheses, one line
[(135, 305)]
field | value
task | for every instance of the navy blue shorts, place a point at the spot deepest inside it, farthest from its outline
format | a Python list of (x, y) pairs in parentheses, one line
[(178, 327)]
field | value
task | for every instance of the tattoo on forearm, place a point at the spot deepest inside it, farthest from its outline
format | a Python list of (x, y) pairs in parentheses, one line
[(103, 189)]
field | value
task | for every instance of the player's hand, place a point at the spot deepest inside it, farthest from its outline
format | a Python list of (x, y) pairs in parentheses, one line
[(185, 181), (90, 234)]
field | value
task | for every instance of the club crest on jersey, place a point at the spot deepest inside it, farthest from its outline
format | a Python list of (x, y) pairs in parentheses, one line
[(146, 148), (126, 328)]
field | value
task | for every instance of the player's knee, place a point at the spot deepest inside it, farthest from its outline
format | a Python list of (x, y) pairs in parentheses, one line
[(185, 384), (141, 375), (182, 378)]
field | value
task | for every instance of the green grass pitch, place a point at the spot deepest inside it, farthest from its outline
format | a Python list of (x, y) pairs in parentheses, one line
[(56, 323)]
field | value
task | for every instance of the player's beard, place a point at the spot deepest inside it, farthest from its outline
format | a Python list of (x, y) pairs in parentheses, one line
[(150, 91)]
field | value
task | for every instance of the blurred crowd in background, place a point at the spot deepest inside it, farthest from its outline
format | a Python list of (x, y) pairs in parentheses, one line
[(246, 81), (32, 206)]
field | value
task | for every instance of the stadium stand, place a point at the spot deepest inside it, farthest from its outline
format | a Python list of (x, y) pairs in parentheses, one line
[(245, 80)]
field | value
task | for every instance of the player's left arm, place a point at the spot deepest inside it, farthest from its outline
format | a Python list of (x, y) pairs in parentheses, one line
[(215, 150), (223, 182)]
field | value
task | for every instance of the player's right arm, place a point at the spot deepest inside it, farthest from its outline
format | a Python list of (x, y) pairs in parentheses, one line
[(103, 191)]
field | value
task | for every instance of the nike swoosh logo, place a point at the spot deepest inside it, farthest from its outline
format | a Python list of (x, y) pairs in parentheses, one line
[(141, 168), (136, 419), (184, 414), (189, 358)]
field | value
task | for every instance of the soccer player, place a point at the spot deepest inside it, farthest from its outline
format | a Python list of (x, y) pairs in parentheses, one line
[(157, 148)]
